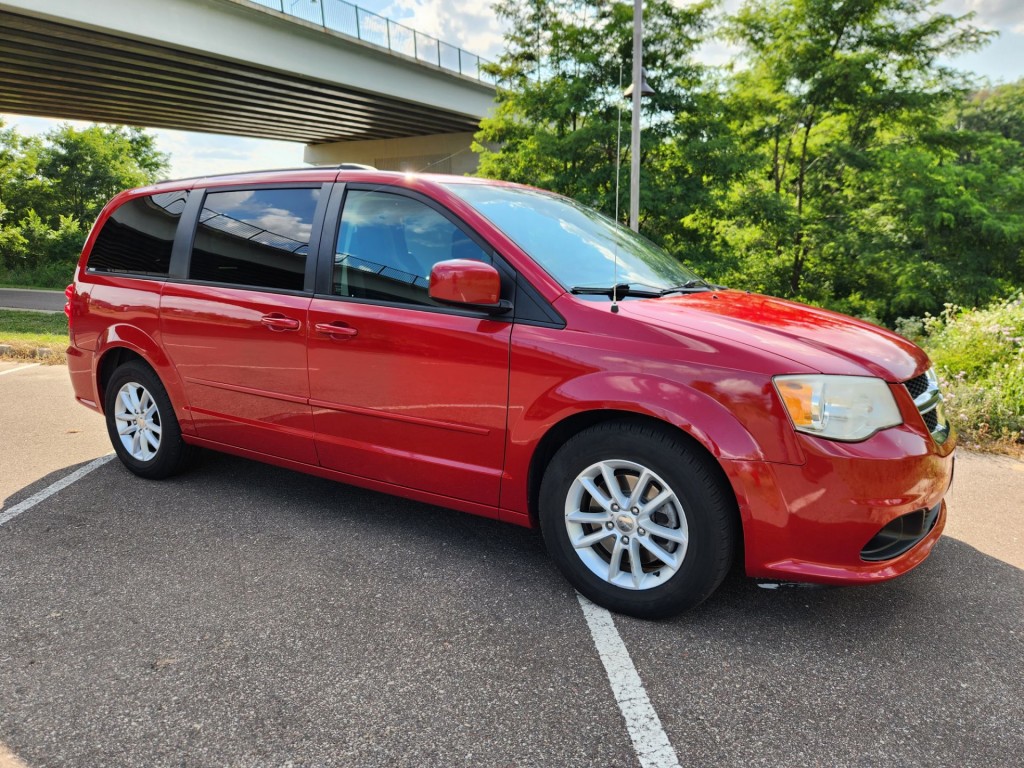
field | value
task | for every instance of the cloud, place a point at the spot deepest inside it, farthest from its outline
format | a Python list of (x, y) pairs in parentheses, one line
[(38, 126), (469, 24), (204, 154), (193, 154), (995, 14)]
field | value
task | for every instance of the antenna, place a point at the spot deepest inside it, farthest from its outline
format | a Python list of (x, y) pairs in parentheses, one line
[(618, 168)]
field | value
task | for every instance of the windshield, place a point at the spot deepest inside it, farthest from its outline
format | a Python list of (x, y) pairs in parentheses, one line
[(576, 245)]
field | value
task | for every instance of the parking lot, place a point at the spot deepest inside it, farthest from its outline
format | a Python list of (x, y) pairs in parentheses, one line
[(244, 615)]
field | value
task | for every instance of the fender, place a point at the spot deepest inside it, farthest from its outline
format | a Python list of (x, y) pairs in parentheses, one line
[(693, 410), (125, 336), (696, 413)]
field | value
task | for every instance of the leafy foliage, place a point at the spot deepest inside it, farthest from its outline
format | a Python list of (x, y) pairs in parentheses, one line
[(840, 105), (979, 356), (562, 122), (52, 189)]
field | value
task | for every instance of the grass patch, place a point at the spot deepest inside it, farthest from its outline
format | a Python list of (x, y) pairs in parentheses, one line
[(41, 336), (27, 286)]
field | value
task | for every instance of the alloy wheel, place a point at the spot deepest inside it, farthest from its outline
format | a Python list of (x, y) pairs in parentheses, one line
[(626, 524)]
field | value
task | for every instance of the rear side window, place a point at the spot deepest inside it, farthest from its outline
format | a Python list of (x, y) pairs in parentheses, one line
[(256, 238), (138, 236)]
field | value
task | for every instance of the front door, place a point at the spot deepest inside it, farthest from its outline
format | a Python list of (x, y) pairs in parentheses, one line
[(402, 390)]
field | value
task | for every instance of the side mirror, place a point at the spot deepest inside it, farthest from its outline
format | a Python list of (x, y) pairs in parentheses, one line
[(467, 283)]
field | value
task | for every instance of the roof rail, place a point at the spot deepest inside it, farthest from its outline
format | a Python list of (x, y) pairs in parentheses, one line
[(339, 167)]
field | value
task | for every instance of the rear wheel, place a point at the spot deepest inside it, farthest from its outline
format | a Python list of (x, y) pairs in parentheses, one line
[(141, 423), (637, 519)]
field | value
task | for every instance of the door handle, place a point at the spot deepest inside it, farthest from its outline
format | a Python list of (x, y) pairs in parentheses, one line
[(336, 330), (278, 322)]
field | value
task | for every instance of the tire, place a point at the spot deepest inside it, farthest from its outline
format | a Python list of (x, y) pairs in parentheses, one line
[(141, 423), (665, 546)]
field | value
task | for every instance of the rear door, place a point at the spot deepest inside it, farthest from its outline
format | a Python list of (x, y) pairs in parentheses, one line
[(403, 390), (236, 327)]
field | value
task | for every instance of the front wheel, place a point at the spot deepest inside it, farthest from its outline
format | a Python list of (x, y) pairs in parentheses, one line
[(637, 519), (141, 423)]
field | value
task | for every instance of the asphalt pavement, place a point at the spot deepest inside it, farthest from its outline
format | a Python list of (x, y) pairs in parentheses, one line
[(25, 298), (243, 615)]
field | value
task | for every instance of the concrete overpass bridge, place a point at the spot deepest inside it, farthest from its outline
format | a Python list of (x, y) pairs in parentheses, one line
[(349, 84)]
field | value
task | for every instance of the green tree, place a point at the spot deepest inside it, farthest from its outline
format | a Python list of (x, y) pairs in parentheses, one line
[(561, 109), (829, 91), (998, 110), (953, 211), (85, 168), (940, 219), (52, 189), (20, 185)]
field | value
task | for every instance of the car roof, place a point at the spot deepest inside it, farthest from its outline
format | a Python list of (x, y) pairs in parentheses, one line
[(347, 172)]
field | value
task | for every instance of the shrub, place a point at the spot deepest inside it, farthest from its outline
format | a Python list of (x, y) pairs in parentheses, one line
[(979, 356)]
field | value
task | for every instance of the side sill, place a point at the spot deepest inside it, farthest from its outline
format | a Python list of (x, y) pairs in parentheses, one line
[(493, 513)]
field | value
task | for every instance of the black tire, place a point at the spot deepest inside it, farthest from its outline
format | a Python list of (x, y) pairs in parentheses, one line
[(702, 515), (170, 454)]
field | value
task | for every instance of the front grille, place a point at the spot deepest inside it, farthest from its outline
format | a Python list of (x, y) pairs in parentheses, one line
[(900, 535), (917, 386), (924, 391), (931, 420)]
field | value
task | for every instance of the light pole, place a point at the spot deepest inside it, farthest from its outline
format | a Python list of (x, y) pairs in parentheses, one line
[(634, 168), (637, 88)]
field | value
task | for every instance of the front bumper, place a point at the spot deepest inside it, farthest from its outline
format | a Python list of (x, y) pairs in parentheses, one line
[(826, 520)]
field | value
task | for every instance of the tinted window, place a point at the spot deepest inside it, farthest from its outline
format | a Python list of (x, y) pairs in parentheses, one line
[(138, 236), (256, 238), (387, 245)]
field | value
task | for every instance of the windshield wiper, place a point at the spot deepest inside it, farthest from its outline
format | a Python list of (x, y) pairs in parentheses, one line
[(613, 291), (696, 285)]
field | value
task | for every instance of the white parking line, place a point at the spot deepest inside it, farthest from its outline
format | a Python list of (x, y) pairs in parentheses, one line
[(650, 741), (48, 491), (19, 368)]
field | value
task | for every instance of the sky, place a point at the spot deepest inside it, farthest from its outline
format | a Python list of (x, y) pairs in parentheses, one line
[(470, 24)]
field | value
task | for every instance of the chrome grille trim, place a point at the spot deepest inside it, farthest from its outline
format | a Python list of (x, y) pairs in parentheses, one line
[(917, 385), (924, 390)]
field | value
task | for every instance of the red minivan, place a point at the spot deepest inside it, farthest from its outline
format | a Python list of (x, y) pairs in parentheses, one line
[(508, 352)]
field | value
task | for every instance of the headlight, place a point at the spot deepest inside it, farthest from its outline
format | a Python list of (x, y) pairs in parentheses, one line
[(838, 407)]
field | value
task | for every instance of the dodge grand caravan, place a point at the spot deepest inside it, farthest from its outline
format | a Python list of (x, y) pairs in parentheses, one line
[(507, 352)]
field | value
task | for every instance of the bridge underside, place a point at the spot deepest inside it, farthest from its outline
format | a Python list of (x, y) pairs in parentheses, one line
[(50, 69)]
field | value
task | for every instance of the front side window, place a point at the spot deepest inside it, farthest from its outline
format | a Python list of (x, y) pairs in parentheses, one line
[(387, 245), (255, 238), (138, 237)]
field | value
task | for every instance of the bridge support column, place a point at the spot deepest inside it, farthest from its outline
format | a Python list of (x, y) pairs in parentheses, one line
[(440, 153)]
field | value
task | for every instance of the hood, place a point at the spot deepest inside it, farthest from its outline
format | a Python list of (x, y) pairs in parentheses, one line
[(825, 341)]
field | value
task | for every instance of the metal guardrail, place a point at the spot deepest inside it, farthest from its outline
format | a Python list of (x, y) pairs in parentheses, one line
[(351, 20)]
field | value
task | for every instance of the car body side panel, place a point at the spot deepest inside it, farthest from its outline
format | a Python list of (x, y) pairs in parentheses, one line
[(246, 382), (449, 502), (113, 312), (413, 398)]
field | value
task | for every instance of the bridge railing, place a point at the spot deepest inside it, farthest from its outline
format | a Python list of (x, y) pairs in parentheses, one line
[(351, 20)]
